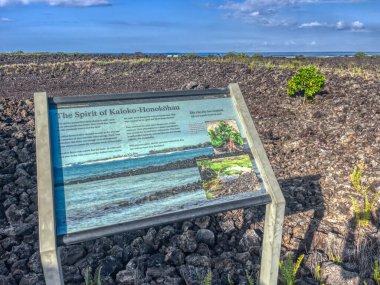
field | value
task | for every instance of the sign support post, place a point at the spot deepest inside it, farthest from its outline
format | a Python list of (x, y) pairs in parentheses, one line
[(50, 260), (274, 213)]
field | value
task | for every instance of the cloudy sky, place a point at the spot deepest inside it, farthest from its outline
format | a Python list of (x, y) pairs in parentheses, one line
[(189, 25)]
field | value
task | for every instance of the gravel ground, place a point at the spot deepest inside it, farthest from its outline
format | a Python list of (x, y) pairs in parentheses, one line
[(312, 149)]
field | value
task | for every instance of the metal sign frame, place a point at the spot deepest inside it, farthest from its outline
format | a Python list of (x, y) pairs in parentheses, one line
[(48, 239)]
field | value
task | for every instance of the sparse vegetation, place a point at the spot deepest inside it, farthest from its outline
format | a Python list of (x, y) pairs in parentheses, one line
[(363, 204), (335, 259), (250, 279), (376, 271), (208, 279), (306, 80), (317, 274), (95, 279), (237, 57), (230, 281), (289, 269)]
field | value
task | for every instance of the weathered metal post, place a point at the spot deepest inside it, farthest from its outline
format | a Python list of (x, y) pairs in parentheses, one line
[(47, 234), (274, 214)]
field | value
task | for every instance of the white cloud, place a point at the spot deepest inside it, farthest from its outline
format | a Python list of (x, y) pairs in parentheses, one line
[(263, 12), (340, 25), (77, 3), (312, 25), (266, 12), (357, 25), (5, 19), (313, 43)]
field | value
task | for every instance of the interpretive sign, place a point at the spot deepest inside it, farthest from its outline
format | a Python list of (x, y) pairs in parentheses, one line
[(114, 163)]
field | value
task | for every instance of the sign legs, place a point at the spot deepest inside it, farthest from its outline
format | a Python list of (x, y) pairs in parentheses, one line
[(47, 236), (51, 265), (274, 218)]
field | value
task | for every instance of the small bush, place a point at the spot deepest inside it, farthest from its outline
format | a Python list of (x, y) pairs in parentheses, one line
[(360, 54), (289, 270), (307, 80)]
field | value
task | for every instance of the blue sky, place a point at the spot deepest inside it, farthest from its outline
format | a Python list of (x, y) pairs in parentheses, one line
[(189, 26)]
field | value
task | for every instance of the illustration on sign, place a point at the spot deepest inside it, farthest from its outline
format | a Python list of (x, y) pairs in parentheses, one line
[(118, 161)]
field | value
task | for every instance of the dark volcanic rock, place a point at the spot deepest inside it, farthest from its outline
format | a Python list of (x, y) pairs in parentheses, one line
[(191, 274), (175, 256), (202, 222), (312, 149), (29, 279), (14, 214), (34, 263), (109, 265), (206, 236), (7, 280), (71, 254), (249, 240), (187, 241)]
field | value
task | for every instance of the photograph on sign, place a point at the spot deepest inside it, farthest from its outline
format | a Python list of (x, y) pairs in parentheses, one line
[(116, 161)]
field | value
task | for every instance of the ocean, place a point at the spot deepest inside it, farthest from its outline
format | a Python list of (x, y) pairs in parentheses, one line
[(103, 201), (278, 54), (101, 197)]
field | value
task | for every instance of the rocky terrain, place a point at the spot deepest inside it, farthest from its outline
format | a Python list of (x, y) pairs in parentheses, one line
[(312, 149)]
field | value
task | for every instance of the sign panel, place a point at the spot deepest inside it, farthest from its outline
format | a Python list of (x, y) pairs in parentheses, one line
[(121, 160), (108, 164)]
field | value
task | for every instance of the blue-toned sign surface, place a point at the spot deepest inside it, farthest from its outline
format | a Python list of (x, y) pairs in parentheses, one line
[(118, 161)]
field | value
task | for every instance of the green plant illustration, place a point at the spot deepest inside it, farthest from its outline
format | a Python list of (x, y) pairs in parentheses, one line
[(307, 80), (364, 206), (95, 279), (289, 270), (212, 172), (225, 135)]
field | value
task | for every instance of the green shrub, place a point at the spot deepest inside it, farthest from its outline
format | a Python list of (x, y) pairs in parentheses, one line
[(360, 54), (307, 80), (300, 56), (289, 270)]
